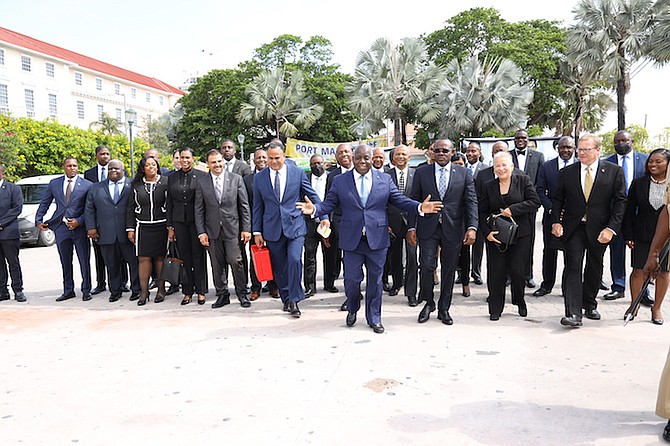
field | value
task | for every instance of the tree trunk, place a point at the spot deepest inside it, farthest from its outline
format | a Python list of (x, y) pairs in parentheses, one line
[(621, 90), (397, 131)]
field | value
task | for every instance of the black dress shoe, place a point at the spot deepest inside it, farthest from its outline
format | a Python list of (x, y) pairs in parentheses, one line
[(541, 292), (351, 319), (343, 307), (20, 297), (265, 289), (412, 302), (530, 283), (393, 291), (523, 310), (309, 292), (458, 279), (86, 297), (592, 314), (285, 306), (6, 297), (99, 289), (613, 295), (572, 321), (666, 432), (477, 280), (293, 309), (221, 301), (494, 317), (646, 301), (274, 294), (172, 289), (244, 301), (386, 287), (444, 316), (114, 297), (125, 288), (377, 327), (603, 287), (424, 315), (465, 293), (331, 289), (134, 296)]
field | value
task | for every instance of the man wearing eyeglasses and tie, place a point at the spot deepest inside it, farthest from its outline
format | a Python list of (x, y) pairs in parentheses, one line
[(587, 212)]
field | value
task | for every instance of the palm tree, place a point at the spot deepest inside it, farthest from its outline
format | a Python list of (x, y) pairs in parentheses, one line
[(107, 125), (279, 98), (480, 96), (617, 37), (391, 82)]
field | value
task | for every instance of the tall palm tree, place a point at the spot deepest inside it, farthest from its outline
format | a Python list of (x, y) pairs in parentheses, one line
[(279, 98), (617, 37), (391, 82), (480, 96), (107, 125)]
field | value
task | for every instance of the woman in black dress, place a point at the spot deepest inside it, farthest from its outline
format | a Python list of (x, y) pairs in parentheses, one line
[(146, 224), (510, 195), (645, 203), (181, 226)]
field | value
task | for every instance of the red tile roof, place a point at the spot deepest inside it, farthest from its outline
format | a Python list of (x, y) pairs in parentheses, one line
[(29, 43)]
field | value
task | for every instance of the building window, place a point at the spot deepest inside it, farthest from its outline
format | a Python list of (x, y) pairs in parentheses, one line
[(98, 83), (101, 110), (51, 71), (25, 63), (160, 100), (4, 99), (133, 93), (119, 118), (148, 96), (78, 78), (30, 103), (80, 109), (2, 56), (117, 88), (53, 106)]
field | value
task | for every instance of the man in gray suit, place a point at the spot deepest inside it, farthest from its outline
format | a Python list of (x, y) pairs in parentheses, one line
[(105, 216), (223, 219), (230, 163)]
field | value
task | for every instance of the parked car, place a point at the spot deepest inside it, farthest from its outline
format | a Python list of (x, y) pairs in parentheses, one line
[(33, 189)]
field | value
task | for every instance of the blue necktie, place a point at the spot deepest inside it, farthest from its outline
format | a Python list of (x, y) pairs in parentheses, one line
[(103, 174), (624, 166), (565, 163), (277, 188), (116, 192), (442, 183), (472, 170), (364, 192)]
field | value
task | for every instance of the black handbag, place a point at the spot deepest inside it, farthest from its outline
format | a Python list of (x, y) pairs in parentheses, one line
[(506, 227), (173, 270)]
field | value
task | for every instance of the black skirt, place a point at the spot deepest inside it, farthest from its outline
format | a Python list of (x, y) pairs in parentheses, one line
[(151, 239), (640, 254)]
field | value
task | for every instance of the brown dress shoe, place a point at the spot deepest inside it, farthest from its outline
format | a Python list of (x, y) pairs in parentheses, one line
[(254, 295)]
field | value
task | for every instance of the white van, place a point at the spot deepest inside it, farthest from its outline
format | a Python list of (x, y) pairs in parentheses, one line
[(33, 189)]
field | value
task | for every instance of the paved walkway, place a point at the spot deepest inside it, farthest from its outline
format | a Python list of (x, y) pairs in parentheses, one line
[(99, 373)]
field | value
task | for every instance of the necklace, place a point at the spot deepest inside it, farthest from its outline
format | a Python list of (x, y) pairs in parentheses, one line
[(658, 182)]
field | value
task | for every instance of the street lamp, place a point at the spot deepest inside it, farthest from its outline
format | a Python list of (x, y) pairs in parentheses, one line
[(359, 131), (240, 139), (431, 135), (131, 118)]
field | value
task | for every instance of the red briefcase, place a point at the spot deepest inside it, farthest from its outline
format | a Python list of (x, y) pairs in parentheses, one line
[(262, 264)]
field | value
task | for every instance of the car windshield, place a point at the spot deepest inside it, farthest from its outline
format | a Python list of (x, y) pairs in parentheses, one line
[(33, 193)]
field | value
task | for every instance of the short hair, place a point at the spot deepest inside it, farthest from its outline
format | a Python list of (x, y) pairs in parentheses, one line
[(275, 145), (503, 154), (459, 156), (100, 147), (210, 153), (476, 144), (227, 140), (185, 149), (593, 137), (260, 149), (314, 156), (115, 161), (68, 158)]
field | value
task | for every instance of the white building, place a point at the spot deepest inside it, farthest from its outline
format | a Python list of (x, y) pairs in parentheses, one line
[(39, 80)]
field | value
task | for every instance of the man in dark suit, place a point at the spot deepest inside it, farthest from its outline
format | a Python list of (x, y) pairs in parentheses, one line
[(455, 225), (232, 164), (333, 264), (223, 219), (587, 212), (475, 165), (106, 205), (632, 164), (95, 174), (529, 161), (69, 225), (363, 196), (407, 274), (11, 205), (277, 222), (317, 179)]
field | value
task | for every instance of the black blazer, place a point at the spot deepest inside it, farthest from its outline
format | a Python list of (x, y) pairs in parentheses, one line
[(639, 222), (534, 160), (181, 196), (147, 208), (521, 199), (606, 206)]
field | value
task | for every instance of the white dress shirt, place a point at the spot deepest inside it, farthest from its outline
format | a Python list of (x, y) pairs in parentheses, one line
[(110, 186), (74, 183), (447, 174), (319, 185)]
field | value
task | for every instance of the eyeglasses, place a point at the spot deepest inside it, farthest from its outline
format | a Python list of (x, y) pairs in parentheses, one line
[(586, 149), (441, 150)]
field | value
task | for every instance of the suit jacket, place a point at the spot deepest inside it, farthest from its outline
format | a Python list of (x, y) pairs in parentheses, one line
[(344, 195), (640, 219), (74, 209), (547, 183), (460, 202), (534, 160), (107, 217), (241, 168), (11, 205), (478, 168), (181, 196), (336, 216), (226, 219), (639, 161), (486, 175), (521, 199), (398, 219), (273, 219), (606, 206), (92, 174)]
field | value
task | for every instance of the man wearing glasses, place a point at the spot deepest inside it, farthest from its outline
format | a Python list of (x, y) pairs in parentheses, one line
[(587, 213)]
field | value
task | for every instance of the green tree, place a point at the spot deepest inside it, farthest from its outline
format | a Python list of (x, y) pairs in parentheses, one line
[(107, 125), (616, 37), (392, 82), (156, 132)]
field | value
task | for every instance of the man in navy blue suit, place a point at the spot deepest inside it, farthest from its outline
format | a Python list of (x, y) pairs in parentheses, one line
[(105, 214), (547, 184), (11, 205), (632, 164), (277, 222), (454, 226), (363, 195), (69, 225)]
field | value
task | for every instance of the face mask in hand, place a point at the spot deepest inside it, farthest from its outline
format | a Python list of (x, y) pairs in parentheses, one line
[(317, 170), (623, 148)]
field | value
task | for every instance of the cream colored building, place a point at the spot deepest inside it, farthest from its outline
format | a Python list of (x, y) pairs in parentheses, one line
[(39, 80)]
